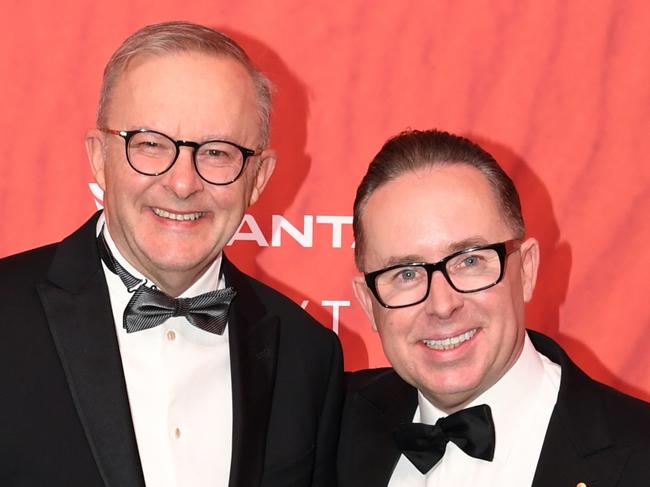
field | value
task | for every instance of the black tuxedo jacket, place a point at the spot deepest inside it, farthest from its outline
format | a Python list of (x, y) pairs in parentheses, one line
[(63, 402), (596, 435)]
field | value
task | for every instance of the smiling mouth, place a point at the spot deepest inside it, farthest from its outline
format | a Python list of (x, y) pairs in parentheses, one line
[(451, 342), (181, 217)]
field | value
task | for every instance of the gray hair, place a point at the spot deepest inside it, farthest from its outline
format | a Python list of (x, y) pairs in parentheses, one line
[(174, 37)]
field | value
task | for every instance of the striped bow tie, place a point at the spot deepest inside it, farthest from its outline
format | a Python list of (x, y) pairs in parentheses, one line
[(149, 307)]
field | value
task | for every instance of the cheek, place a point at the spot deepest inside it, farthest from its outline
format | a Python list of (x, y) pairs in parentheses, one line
[(122, 189), (510, 306), (395, 326), (228, 198), (503, 313), (120, 179), (517, 303)]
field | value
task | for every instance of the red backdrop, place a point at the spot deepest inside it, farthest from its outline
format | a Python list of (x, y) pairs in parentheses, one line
[(558, 90)]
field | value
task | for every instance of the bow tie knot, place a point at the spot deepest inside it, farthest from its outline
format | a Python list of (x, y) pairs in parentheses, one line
[(181, 307), (150, 307), (471, 429)]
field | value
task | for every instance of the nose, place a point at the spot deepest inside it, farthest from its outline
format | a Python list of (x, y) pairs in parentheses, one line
[(182, 179), (442, 300)]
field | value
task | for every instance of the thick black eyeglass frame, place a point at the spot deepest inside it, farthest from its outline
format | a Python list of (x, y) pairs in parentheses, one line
[(128, 134), (503, 249)]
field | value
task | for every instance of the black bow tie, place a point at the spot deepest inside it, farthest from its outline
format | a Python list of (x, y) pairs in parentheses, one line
[(149, 307), (471, 429)]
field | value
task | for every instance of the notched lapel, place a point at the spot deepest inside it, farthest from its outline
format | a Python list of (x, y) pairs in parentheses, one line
[(370, 416), (78, 310), (579, 445), (563, 463), (254, 337)]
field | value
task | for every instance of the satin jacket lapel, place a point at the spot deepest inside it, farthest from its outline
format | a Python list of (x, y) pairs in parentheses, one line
[(253, 356), (76, 302), (377, 410), (579, 446)]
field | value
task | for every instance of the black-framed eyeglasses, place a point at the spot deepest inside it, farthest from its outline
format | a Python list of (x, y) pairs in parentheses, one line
[(153, 153), (467, 271)]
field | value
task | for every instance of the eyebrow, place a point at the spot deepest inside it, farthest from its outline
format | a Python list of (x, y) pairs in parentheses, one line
[(453, 247), (222, 137), (203, 139), (402, 259), (466, 244)]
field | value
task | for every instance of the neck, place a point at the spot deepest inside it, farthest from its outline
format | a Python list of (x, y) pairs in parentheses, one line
[(173, 282), (174, 285), (455, 401), (450, 403)]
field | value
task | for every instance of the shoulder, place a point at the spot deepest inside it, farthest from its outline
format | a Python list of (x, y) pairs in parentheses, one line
[(257, 300), (622, 419), (22, 315), (38, 257), (628, 416), (362, 379), (69, 256), (582, 399), (376, 401), (274, 300), (379, 386), (618, 402), (26, 267)]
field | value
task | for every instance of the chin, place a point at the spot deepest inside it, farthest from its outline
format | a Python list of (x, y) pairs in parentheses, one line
[(453, 385), (173, 265), (178, 254)]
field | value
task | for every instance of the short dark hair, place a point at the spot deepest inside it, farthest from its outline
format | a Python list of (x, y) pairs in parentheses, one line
[(415, 149), (174, 37)]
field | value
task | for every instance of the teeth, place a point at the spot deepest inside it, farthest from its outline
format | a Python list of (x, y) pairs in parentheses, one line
[(449, 343), (178, 216)]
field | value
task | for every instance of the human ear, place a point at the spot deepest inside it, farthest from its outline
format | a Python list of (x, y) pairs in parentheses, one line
[(96, 152), (529, 265), (362, 293), (265, 167)]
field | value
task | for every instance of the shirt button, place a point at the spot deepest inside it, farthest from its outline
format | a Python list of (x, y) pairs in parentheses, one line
[(171, 335), (177, 433)]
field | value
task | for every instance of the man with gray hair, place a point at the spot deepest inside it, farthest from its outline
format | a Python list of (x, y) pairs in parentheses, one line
[(472, 398), (134, 352)]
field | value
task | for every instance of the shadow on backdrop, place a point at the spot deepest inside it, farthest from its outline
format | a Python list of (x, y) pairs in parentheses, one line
[(289, 138), (543, 312)]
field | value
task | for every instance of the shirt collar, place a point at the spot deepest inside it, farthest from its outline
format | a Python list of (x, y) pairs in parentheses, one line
[(210, 280), (513, 400)]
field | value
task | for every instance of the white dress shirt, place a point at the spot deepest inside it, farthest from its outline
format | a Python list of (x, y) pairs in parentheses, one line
[(521, 402), (179, 389)]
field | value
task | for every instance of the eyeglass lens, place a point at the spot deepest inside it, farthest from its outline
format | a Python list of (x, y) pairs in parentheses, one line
[(466, 272), (153, 153)]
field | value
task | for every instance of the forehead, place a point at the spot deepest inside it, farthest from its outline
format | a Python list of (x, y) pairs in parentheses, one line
[(427, 213), (188, 90)]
